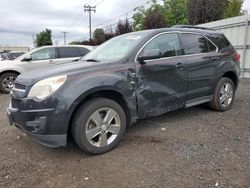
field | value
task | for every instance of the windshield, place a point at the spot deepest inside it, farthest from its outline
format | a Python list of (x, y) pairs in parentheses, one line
[(116, 48)]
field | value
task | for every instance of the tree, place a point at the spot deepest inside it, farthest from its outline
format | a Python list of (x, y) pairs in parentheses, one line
[(150, 18), (175, 12), (203, 11), (99, 36), (75, 43), (172, 12), (109, 33), (44, 38), (154, 20), (234, 8), (123, 27)]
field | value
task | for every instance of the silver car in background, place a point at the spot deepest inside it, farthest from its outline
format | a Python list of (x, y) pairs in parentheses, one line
[(39, 58)]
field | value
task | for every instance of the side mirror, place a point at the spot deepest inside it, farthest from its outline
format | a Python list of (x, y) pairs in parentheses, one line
[(27, 58), (148, 54)]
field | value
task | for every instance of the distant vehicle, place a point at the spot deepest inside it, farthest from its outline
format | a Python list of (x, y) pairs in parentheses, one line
[(130, 77), (38, 58), (7, 55)]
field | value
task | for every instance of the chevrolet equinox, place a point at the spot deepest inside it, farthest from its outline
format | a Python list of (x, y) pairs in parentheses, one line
[(133, 76)]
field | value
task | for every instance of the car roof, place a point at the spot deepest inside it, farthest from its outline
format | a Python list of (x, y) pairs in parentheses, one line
[(203, 31), (66, 46)]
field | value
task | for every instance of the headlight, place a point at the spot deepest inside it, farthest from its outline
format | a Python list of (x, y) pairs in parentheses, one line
[(46, 87)]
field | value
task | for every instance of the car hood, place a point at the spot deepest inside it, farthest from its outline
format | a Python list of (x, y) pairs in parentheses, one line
[(8, 62), (30, 78)]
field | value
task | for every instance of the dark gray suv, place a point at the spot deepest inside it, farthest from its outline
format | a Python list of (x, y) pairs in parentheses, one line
[(130, 77)]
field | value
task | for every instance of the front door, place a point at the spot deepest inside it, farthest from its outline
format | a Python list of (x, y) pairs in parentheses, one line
[(162, 79), (40, 59)]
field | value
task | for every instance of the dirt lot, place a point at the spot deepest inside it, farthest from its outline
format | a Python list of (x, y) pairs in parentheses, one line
[(196, 147)]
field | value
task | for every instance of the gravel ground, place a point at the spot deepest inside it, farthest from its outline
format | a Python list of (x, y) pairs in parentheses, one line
[(194, 147)]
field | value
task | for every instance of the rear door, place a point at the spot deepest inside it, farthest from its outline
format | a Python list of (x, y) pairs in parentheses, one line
[(162, 83), (200, 54), (68, 54)]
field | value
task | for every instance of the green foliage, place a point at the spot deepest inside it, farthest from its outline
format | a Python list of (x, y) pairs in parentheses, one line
[(203, 11), (234, 8), (150, 18), (123, 27), (99, 36), (175, 12), (172, 12), (75, 43), (44, 38)]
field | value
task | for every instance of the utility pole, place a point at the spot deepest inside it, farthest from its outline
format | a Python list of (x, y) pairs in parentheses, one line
[(89, 9), (34, 42), (65, 36)]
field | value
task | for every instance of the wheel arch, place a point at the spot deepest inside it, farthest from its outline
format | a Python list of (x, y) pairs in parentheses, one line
[(233, 76), (98, 93), (9, 71)]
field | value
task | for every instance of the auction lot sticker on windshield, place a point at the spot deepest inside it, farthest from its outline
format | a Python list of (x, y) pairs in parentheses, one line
[(133, 37)]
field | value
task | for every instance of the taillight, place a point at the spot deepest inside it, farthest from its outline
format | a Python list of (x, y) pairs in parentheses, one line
[(237, 57)]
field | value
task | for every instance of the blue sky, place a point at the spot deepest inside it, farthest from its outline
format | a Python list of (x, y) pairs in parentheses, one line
[(20, 19)]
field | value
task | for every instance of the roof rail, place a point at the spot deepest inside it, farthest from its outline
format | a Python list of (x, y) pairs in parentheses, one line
[(192, 27)]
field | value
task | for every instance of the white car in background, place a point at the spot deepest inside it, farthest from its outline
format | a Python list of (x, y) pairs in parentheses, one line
[(39, 58)]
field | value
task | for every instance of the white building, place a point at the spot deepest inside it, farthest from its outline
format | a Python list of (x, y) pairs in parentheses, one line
[(237, 30)]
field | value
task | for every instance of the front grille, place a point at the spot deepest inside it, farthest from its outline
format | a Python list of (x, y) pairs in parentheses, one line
[(20, 86)]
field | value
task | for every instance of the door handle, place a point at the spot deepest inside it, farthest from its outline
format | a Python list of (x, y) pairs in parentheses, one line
[(51, 62), (179, 66)]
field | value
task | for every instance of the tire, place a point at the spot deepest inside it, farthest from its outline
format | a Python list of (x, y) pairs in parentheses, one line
[(89, 130), (7, 81), (229, 95)]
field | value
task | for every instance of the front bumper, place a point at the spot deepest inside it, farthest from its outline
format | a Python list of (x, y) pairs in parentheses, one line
[(35, 123)]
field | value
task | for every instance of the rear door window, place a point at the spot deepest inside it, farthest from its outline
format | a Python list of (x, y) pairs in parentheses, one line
[(67, 52), (194, 44)]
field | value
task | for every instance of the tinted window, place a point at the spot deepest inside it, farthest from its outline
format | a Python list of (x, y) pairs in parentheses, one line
[(83, 51), (211, 46), (194, 44), (44, 54), (220, 41), (67, 52), (167, 44)]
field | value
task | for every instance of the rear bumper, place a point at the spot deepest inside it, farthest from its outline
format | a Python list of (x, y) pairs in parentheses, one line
[(34, 123)]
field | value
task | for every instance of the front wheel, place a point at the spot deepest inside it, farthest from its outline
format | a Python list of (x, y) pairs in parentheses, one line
[(99, 125), (224, 95), (7, 81)]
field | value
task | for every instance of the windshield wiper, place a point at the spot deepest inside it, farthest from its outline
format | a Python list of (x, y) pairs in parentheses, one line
[(77, 59), (92, 60)]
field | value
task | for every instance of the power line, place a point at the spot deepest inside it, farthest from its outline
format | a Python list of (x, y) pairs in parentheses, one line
[(124, 14), (99, 3), (76, 18)]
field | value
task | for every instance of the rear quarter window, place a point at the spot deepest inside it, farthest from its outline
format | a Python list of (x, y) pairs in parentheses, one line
[(83, 51), (220, 41)]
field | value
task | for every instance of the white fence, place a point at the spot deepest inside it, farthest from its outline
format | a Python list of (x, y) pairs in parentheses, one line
[(237, 30)]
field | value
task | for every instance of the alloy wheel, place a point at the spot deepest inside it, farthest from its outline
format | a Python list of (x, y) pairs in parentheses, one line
[(8, 82), (103, 127), (226, 94)]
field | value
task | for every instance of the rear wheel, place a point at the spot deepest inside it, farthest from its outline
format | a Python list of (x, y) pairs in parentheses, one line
[(224, 95), (99, 125), (7, 81)]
